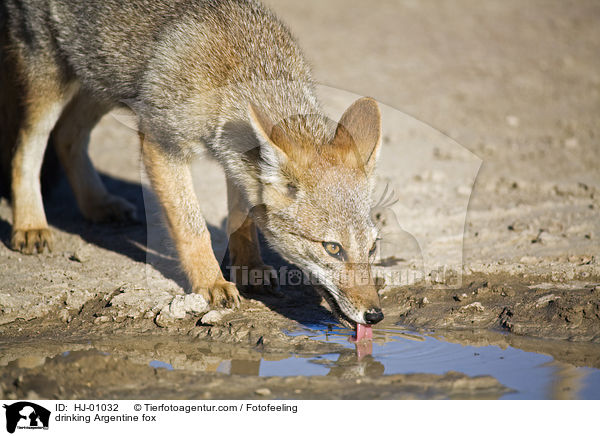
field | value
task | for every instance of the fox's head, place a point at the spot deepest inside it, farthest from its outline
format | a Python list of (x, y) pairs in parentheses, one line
[(316, 201)]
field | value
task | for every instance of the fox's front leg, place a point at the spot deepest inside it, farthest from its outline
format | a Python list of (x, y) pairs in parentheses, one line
[(172, 182), (249, 271), (44, 101)]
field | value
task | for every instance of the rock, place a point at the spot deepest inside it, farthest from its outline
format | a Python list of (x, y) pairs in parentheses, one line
[(77, 257), (464, 190), (180, 306), (529, 260), (163, 320), (195, 303), (32, 396), (101, 319), (263, 392), (517, 226), (542, 301), (473, 307), (134, 303), (76, 299), (176, 308), (513, 121), (571, 142), (214, 316), (65, 316)]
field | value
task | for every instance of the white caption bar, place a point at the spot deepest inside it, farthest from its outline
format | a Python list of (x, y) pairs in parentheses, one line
[(76, 417)]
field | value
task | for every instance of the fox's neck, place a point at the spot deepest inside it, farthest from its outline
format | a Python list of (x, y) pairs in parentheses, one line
[(293, 106)]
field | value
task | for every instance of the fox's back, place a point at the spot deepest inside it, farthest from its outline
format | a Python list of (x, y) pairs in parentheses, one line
[(110, 45)]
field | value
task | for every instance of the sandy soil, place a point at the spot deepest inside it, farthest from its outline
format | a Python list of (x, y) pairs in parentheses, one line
[(491, 148)]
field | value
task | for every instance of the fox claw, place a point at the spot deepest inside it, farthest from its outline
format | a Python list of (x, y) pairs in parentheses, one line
[(31, 241), (221, 294)]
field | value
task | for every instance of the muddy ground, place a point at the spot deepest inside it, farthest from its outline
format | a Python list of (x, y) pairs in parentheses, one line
[(504, 200)]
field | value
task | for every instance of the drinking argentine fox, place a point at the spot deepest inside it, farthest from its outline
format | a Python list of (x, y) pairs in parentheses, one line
[(224, 76)]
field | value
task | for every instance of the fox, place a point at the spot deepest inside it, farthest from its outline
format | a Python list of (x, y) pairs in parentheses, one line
[(222, 76)]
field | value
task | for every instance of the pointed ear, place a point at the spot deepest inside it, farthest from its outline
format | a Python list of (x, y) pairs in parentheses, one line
[(273, 158), (359, 131)]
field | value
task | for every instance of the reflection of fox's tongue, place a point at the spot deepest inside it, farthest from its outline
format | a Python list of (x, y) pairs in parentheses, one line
[(363, 331)]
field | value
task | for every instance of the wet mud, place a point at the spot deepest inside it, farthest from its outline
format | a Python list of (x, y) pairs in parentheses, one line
[(292, 347)]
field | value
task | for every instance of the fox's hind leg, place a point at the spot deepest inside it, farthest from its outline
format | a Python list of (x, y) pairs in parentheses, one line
[(248, 269), (44, 101), (71, 138)]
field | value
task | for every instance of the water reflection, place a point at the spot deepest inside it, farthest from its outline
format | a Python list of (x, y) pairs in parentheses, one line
[(350, 365), (397, 351), (393, 350), (568, 381)]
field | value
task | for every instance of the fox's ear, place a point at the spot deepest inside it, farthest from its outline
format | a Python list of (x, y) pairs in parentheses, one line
[(273, 157), (359, 130)]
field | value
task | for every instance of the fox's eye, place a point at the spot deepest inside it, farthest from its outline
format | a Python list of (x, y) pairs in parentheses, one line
[(373, 249), (333, 249)]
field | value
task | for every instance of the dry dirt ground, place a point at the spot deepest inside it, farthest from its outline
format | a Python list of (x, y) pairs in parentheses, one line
[(492, 150)]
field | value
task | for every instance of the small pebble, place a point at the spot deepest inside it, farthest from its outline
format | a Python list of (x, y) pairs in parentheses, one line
[(528, 260), (65, 316), (571, 142), (476, 306), (463, 190), (542, 301), (101, 319), (513, 121), (214, 316)]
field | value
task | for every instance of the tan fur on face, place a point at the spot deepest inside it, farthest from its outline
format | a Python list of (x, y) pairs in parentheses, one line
[(318, 190)]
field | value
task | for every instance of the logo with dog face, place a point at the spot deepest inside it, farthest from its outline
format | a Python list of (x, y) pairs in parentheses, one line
[(26, 415)]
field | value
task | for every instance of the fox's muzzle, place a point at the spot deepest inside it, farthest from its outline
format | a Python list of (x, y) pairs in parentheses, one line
[(360, 304), (359, 289), (373, 316)]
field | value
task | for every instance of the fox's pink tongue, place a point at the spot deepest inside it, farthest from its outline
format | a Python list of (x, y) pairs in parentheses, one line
[(363, 331)]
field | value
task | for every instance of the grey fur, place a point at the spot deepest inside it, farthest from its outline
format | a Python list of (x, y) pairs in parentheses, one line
[(190, 69)]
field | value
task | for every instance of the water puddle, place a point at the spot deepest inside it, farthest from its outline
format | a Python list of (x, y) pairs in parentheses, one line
[(161, 364), (397, 351), (393, 350)]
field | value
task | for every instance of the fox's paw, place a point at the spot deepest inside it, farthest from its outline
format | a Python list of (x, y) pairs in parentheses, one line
[(112, 208), (31, 241), (259, 279), (221, 294)]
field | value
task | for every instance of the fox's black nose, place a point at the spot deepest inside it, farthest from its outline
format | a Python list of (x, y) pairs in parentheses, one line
[(373, 316)]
